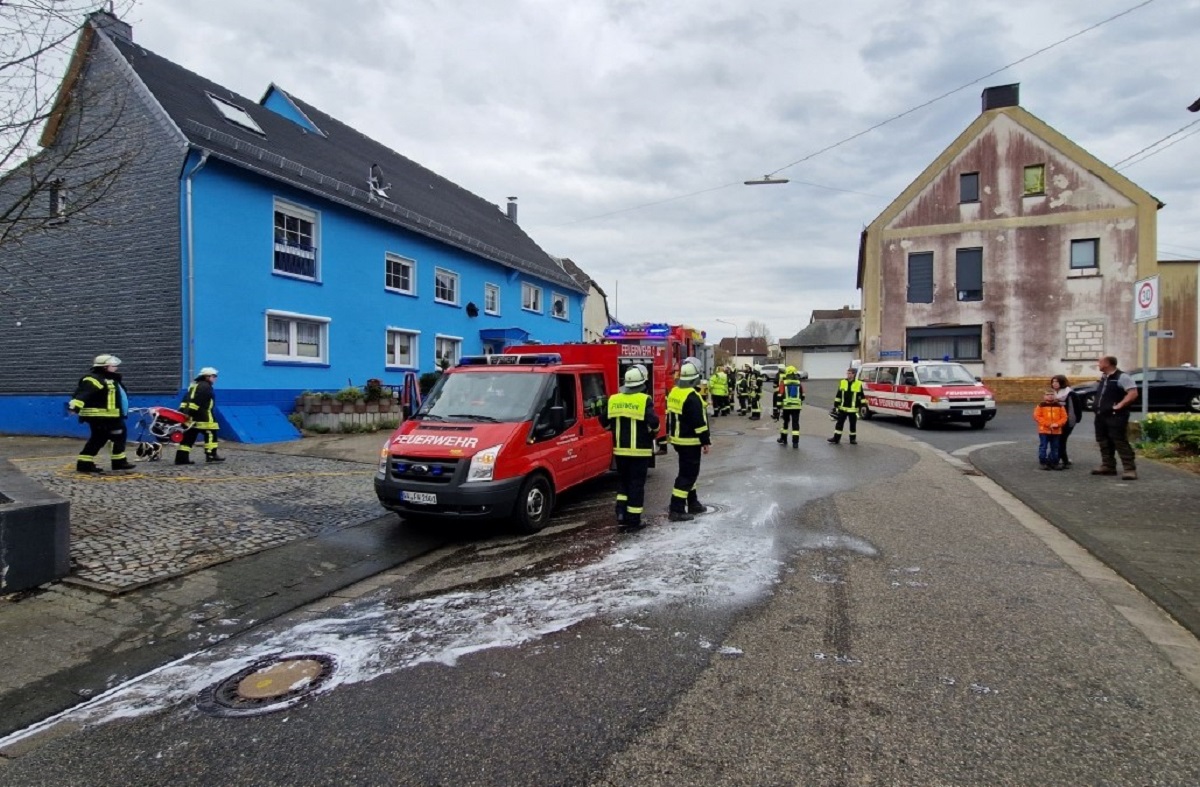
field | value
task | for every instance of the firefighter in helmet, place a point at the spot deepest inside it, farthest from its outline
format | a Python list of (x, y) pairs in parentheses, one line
[(687, 430), (846, 402), (198, 405), (101, 402), (756, 384), (791, 402), (634, 425), (718, 389)]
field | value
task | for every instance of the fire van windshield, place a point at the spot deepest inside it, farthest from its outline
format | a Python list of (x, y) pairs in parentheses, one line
[(483, 396), (945, 374)]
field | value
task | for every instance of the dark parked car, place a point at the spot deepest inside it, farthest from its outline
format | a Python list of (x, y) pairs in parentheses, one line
[(1171, 388)]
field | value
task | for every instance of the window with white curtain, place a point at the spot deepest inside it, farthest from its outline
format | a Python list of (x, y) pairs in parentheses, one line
[(293, 337)]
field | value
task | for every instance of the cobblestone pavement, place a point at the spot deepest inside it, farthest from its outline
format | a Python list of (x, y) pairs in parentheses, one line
[(163, 520)]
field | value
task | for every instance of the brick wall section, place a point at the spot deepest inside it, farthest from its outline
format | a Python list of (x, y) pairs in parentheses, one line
[(1020, 389), (107, 281), (1085, 339)]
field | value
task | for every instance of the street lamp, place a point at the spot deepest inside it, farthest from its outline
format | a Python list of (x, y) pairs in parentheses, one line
[(735, 340), (766, 180)]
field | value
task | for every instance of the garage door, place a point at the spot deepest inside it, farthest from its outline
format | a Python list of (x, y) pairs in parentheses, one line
[(827, 366)]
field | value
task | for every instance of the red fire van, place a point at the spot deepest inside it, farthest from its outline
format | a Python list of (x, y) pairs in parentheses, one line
[(500, 436)]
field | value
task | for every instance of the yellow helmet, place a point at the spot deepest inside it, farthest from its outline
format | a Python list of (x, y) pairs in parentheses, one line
[(790, 370)]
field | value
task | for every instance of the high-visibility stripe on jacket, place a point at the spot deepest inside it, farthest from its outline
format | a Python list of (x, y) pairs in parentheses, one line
[(198, 405), (96, 397), (718, 384), (792, 392), (687, 417), (629, 417), (848, 396)]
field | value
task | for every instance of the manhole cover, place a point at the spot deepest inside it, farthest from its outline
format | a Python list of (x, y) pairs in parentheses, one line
[(268, 685)]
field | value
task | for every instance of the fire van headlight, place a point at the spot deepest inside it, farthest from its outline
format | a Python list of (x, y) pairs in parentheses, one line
[(483, 464), (384, 455)]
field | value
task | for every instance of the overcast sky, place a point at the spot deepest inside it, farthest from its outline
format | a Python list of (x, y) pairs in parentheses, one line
[(626, 128)]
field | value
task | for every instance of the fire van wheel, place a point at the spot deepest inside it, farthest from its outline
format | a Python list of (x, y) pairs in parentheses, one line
[(920, 419), (978, 423), (865, 413), (534, 504)]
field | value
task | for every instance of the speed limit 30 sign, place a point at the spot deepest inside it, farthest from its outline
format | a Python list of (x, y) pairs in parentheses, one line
[(1145, 299)]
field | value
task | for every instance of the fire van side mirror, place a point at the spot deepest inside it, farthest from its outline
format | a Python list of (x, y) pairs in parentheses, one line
[(552, 421)]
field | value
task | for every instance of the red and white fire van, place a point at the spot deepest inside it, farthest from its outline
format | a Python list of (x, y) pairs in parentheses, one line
[(926, 392), (500, 436)]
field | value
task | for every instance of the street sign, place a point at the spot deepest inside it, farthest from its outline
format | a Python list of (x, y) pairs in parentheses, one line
[(1162, 334), (1145, 299), (891, 353)]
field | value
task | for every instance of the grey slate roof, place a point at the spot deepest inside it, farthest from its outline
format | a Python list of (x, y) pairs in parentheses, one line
[(827, 333), (337, 164)]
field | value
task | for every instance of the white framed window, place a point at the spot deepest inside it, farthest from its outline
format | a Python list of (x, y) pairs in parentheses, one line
[(401, 348), (531, 298), (559, 306), (1085, 254), (447, 350), (235, 114), (297, 337), (491, 299), (445, 286), (400, 274), (295, 241)]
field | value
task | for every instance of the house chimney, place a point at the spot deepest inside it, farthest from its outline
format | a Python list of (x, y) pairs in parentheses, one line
[(1002, 96), (104, 20), (512, 209)]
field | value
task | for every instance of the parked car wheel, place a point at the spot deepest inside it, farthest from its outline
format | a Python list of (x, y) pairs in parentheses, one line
[(920, 419), (865, 413), (1194, 403), (1089, 402), (534, 504)]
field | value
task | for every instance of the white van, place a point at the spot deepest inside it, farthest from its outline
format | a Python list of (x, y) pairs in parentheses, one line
[(926, 392)]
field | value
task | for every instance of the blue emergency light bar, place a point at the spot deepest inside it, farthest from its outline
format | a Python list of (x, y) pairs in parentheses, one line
[(651, 329)]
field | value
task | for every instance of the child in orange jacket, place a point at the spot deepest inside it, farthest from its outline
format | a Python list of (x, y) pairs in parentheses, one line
[(1051, 417)]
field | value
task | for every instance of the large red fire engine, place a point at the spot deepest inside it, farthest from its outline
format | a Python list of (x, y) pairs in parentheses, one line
[(661, 348)]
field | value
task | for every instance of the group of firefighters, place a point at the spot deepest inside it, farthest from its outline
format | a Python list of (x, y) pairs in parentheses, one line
[(634, 424)]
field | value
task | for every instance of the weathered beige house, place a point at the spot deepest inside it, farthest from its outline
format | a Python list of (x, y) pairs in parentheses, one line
[(1015, 252)]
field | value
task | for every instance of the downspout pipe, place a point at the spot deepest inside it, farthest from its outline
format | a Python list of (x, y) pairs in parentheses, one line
[(190, 340)]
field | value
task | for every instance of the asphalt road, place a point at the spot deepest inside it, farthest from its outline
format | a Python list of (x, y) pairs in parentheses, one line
[(845, 615)]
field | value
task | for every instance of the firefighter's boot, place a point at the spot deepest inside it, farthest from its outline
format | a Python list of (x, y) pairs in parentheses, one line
[(212, 456), (183, 457)]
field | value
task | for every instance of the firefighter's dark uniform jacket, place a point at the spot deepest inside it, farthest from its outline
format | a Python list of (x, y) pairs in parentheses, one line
[(634, 424), (687, 417), (198, 405), (849, 395), (99, 395)]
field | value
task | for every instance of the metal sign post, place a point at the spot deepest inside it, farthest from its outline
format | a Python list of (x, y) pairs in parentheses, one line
[(1145, 309)]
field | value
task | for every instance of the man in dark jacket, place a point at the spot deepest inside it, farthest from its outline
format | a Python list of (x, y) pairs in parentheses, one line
[(198, 405), (101, 402), (1115, 394)]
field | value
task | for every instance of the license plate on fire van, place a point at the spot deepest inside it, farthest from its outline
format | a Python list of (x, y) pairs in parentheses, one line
[(972, 412), (420, 498)]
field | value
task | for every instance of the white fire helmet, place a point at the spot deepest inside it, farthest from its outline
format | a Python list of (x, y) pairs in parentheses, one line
[(689, 371), (106, 360), (207, 371), (635, 376)]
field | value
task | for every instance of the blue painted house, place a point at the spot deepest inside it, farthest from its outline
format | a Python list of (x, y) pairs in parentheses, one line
[(264, 238)]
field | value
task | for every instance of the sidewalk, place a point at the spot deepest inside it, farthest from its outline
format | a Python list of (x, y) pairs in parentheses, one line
[(1148, 530), (296, 522)]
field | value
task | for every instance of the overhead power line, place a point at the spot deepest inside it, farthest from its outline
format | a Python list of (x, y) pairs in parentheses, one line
[(932, 101), (880, 124), (1119, 164)]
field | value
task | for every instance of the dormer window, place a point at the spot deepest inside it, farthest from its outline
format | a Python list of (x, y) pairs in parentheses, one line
[(235, 114)]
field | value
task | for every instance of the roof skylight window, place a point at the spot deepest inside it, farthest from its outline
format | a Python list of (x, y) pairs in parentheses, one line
[(235, 114)]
